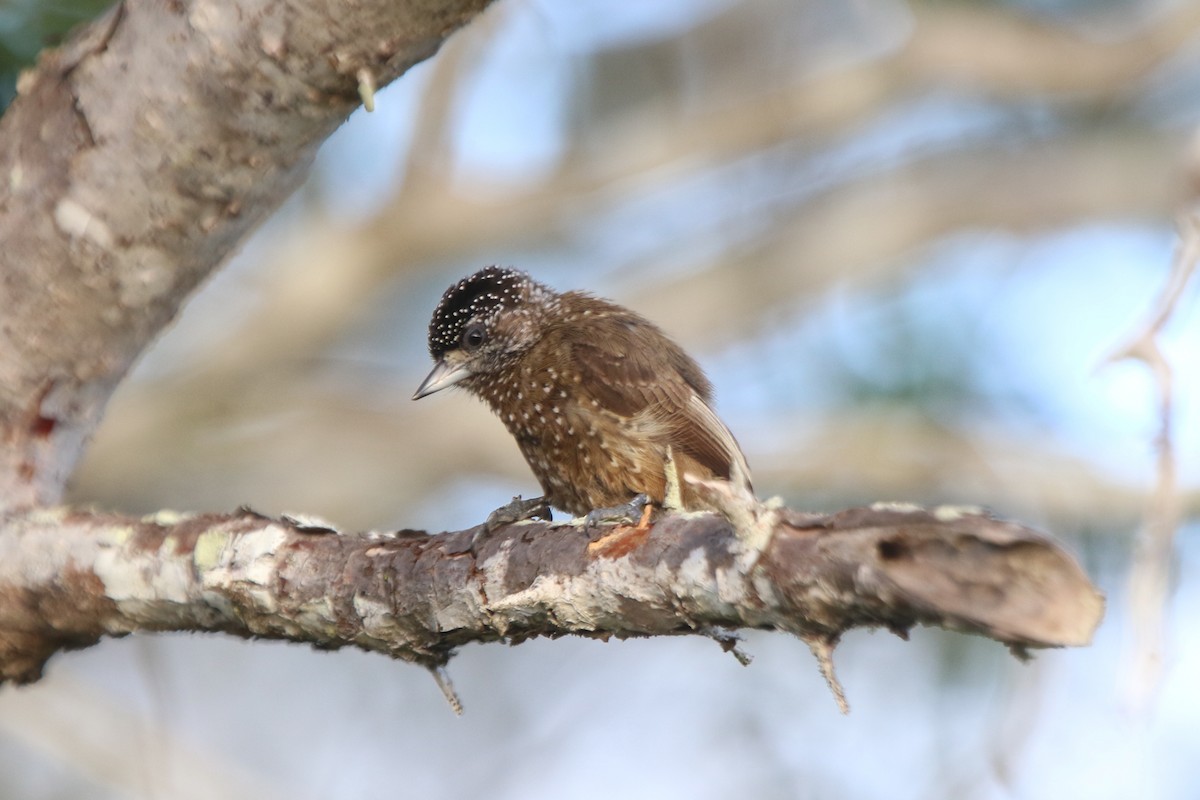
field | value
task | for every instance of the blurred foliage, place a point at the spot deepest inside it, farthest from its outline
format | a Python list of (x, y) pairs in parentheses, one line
[(27, 26)]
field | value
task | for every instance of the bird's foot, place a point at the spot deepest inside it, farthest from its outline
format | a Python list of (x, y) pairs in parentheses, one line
[(518, 511), (635, 511), (622, 540)]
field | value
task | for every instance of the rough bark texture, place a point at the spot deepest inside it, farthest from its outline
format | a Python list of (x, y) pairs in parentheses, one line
[(67, 578), (134, 159)]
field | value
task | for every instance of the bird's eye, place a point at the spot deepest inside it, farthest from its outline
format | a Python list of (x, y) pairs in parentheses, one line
[(473, 337)]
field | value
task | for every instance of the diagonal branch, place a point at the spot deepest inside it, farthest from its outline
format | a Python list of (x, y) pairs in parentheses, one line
[(134, 159), (68, 578)]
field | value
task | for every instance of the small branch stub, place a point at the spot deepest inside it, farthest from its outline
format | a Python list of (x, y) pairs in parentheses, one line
[(442, 678), (822, 648), (366, 88)]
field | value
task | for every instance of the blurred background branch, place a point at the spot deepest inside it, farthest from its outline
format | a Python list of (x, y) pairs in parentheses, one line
[(1154, 549)]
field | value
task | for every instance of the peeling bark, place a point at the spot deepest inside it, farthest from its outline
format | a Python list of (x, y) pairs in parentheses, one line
[(68, 578)]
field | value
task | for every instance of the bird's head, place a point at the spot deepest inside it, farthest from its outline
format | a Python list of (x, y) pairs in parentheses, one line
[(482, 325)]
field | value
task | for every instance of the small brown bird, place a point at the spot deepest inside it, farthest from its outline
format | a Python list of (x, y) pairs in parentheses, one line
[(595, 395)]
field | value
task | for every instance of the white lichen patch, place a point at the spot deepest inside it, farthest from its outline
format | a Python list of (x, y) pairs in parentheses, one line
[(463, 612), (764, 587), (548, 594), (622, 574), (320, 608), (80, 223), (167, 517), (377, 618), (246, 561), (952, 513), (219, 603), (255, 553), (207, 553), (695, 569), (143, 578), (732, 588), (50, 516), (700, 585), (898, 507), (495, 570), (624, 578), (119, 535), (311, 521), (212, 19), (711, 589), (264, 599)]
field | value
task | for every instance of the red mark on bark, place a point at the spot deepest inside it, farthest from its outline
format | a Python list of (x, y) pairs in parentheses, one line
[(43, 426)]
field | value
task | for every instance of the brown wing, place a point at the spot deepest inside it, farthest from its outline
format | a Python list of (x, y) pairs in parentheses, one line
[(631, 368)]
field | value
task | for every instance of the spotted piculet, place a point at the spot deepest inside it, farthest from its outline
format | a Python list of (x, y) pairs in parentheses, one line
[(593, 393)]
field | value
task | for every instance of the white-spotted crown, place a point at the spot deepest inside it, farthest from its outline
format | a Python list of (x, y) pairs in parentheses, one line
[(480, 299)]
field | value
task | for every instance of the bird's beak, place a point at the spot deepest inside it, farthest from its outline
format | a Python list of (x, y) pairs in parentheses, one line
[(442, 375)]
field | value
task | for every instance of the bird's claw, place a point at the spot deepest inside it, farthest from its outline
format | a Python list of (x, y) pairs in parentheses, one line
[(621, 541), (632, 512), (518, 511)]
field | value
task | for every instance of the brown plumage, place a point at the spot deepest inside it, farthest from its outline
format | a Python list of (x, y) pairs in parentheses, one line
[(593, 393)]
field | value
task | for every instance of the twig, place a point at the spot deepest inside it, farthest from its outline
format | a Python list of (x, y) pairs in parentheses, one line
[(1154, 546)]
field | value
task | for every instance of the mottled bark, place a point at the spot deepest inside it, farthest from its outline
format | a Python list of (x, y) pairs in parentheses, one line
[(134, 159), (68, 578)]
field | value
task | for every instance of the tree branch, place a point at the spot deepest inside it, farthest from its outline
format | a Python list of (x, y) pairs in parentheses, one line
[(134, 159), (68, 578), (1155, 544)]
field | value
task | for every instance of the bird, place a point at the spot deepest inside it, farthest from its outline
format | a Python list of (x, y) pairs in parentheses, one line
[(601, 402)]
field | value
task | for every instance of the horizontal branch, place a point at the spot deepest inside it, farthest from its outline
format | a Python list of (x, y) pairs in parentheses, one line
[(69, 578)]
